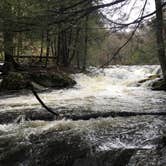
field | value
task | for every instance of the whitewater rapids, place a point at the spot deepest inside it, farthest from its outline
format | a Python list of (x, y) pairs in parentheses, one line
[(101, 90)]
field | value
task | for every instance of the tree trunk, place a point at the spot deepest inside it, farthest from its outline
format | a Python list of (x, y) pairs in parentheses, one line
[(9, 63), (86, 44), (160, 38), (48, 48), (75, 46), (19, 45), (41, 47), (78, 59), (64, 49), (58, 46)]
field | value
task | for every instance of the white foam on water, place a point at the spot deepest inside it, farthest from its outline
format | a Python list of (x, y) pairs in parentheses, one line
[(117, 82), (111, 89)]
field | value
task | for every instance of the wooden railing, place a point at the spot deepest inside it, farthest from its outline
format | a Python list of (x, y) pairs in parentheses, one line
[(37, 57)]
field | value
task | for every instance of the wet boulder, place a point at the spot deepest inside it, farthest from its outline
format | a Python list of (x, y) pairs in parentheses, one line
[(40, 80), (154, 81), (53, 148), (65, 146), (13, 81), (60, 148), (52, 79), (13, 150), (159, 85), (46, 149)]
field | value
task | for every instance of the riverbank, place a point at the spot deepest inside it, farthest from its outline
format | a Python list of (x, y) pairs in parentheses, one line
[(40, 79)]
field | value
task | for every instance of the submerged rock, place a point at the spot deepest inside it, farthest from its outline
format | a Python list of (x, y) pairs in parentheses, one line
[(58, 148), (46, 149), (154, 81), (68, 148), (52, 148)]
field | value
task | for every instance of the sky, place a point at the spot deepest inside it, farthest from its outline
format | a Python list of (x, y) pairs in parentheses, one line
[(123, 14)]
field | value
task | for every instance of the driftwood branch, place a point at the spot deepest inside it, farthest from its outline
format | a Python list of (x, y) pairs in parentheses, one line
[(41, 102)]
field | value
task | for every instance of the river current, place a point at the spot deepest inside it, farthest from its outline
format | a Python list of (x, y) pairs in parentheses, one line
[(109, 141)]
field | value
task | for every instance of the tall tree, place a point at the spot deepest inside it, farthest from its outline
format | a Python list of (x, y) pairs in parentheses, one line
[(160, 36), (8, 35)]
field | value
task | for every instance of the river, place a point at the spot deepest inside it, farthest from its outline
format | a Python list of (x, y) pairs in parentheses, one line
[(119, 141)]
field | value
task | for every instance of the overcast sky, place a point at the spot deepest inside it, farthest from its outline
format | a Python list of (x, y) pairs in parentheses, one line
[(136, 5)]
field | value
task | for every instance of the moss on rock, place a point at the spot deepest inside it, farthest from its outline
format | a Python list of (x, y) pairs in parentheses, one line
[(13, 81), (53, 80), (40, 80)]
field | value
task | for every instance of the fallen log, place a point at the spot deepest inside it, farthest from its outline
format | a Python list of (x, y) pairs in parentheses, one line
[(18, 115), (112, 114)]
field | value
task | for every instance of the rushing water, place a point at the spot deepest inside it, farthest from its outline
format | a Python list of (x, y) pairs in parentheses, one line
[(111, 89)]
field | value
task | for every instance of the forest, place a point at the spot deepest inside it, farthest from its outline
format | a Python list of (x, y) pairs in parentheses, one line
[(82, 82), (34, 32)]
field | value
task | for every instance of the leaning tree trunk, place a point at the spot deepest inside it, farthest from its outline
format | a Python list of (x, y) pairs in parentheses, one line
[(160, 38)]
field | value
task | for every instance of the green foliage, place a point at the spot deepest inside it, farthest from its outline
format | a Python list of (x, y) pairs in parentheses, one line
[(28, 20)]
